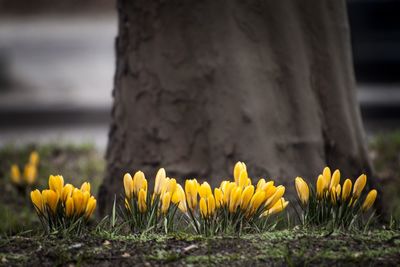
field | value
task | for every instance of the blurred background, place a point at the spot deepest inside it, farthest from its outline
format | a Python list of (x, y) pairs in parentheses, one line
[(57, 67), (56, 76)]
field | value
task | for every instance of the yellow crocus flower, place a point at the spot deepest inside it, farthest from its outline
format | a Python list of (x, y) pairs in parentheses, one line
[(260, 184), (203, 207), (228, 191), (69, 206), (210, 205), (359, 186), (218, 197), (78, 198), (30, 173), (369, 200), (159, 181), (166, 201), (142, 201), (234, 200), (269, 188), (66, 191), (278, 207), (280, 191), (50, 198), (335, 179), (139, 182), (243, 178), (239, 167), (178, 198), (223, 185), (205, 190), (34, 158), (191, 193), (86, 197), (56, 183), (338, 190), (247, 194), (90, 207), (37, 200), (15, 174), (346, 190), (85, 187), (326, 174), (320, 186), (303, 192), (256, 201), (128, 185), (332, 194)]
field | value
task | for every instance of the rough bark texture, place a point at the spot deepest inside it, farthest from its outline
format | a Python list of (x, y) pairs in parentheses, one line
[(200, 85)]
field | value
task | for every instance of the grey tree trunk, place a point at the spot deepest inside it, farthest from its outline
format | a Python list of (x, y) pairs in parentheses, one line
[(200, 85)]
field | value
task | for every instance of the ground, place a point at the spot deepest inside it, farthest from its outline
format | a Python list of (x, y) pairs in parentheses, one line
[(285, 247), (22, 243)]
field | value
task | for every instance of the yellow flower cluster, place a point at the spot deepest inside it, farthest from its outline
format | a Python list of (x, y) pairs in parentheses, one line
[(329, 188), (30, 171), (63, 202), (166, 190), (239, 195)]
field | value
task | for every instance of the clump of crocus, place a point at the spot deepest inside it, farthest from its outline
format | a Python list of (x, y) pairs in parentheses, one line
[(145, 211), (63, 207), (27, 178), (332, 203), (233, 206)]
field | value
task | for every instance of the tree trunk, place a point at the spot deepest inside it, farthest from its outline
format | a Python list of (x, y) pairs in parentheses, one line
[(200, 85)]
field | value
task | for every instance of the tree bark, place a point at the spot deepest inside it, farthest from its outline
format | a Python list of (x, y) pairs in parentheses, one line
[(200, 85)]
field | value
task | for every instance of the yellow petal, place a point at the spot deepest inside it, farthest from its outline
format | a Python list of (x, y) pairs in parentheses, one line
[(15, 174), (359, 186), (203, 207), (243, 178), (326, 173), (369, 200), (139, 182), (320, 186), (56, 183), (142, 200), (239, 167), (166, 201), (37, 200), (91, 205), (69, 207), (34, 158), (50, 198), (210, 205), (280, 191), (218, 197), (85, 187), (205, 190), (346, 190), (335, 179), (235, 199), (302, 189), (160, 179), (246, 197), (66, 191), (30, 173), (128, 185), (278, 207)]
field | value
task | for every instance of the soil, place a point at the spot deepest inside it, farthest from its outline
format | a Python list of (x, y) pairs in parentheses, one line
[(287, 247)]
